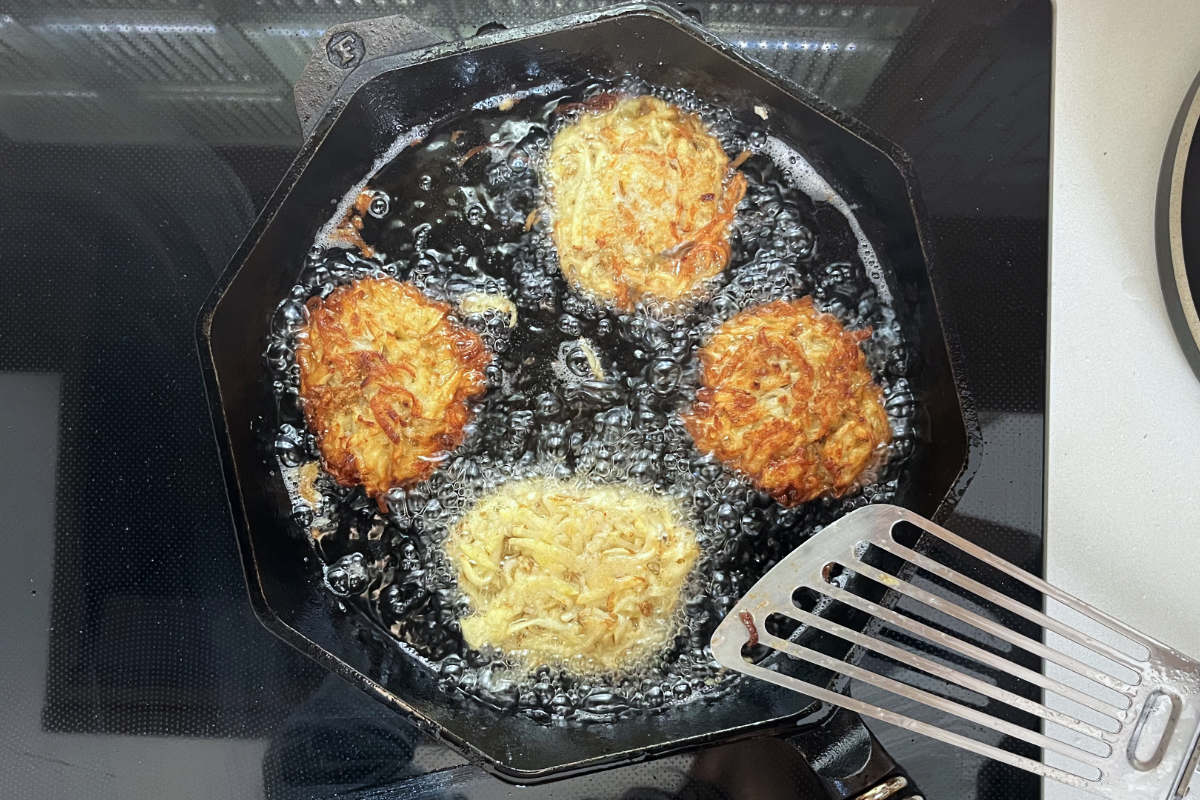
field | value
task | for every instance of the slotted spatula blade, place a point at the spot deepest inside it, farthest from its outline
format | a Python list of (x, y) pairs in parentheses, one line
[(1120, 711)]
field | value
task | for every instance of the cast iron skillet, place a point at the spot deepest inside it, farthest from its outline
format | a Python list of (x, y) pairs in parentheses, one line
[(357, 94)]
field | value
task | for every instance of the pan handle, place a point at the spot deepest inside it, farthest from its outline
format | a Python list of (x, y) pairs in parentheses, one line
[(851, 763), (346, 46), (342, 49)]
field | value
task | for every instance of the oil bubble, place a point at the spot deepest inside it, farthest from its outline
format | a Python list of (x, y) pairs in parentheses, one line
[(663, 375), (379, 205), (347, 576)]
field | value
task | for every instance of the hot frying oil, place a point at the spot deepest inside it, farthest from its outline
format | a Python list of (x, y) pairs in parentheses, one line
[(577, 390)]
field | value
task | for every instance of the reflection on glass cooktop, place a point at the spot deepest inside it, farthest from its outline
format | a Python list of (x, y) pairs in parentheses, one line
[(137, 145)]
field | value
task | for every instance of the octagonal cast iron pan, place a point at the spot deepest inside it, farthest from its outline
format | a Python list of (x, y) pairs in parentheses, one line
[(371, 80)]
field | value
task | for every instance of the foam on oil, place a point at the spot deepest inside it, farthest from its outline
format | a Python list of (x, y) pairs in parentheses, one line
[(576, 390), (808, 180)]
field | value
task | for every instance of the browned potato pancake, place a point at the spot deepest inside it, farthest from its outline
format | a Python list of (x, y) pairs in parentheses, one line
[(786, 398), (385, 378), (642, 199)]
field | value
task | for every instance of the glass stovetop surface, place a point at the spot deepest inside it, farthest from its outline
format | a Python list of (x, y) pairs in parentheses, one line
[(138, 139)]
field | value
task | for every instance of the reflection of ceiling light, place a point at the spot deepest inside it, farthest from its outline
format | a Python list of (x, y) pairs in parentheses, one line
[(207, 95), (792, 44), (305, 33), (120, 27), (17, 91)]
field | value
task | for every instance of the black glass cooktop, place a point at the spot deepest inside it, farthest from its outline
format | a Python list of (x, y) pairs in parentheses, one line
[(137, 141)]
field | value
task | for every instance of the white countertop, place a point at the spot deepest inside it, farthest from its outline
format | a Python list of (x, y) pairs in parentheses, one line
[(1123, 447)]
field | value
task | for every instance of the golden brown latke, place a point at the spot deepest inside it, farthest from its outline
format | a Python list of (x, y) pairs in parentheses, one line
[(786, 398), (385, 378), (643, 198)]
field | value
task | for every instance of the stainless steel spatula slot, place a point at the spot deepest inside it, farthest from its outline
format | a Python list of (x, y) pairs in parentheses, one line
[(1120, 712)]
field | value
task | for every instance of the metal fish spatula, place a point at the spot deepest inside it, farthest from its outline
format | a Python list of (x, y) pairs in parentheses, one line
[(1120, 712)]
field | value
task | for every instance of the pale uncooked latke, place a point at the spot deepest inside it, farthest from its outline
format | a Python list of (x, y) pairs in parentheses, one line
[(560, 572)]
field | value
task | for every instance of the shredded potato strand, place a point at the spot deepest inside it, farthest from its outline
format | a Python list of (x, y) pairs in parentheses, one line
[(479, 302), (559, 572)]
